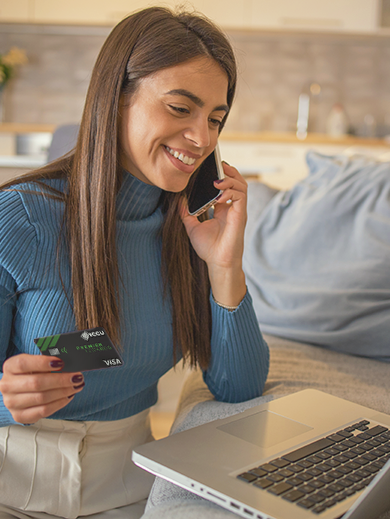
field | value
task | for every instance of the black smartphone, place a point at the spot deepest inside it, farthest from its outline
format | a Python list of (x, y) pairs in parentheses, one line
[(204, 193)]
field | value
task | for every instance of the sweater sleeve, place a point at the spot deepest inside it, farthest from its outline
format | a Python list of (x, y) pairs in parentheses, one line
[(239, 355), (17, 248)]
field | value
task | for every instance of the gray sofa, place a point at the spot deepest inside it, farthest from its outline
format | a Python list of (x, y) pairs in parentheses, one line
[(317, 265)]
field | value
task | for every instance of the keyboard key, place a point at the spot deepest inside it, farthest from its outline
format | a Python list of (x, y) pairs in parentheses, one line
[(280, 488), (314, 459), (362, 461), (258, 472), (357, 450), (316, 483), (276, 478), (375, 443), (326, 479), (305, 463), (308, 450), (316, 498), (345, 482), (326, 492), (333, 463), (304, 476), (305, 503), (329, 502), (354, 478), (345, 433), (286, 473), (363, 436), (280, 463), (350, 455), (336, 438), (323, 455), (319, 509), (342, 458), (357, 440), (372, 469), (348, 443), (246, 476), (294, 482), (363, 473), (263, 483), (369, 457), (314, 471), (344, 469), (293, 496), (377, 430), (307, 489), (331, 451), (335, 474), (340, 447), (268, 467), (296, 468), (335, 487)]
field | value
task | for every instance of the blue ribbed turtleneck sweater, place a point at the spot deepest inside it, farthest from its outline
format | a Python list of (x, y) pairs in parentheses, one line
[(33, 304)]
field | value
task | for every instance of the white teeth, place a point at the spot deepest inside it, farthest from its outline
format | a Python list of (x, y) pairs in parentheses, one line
[(181, 157)]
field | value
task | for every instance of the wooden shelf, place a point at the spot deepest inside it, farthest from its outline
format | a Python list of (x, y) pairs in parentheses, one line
[(291, 138), (26, 128)]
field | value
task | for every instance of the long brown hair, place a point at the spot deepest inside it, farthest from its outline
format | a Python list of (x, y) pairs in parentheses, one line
[(140, 45)]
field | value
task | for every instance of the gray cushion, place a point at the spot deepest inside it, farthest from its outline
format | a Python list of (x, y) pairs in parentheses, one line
[(317, 257)]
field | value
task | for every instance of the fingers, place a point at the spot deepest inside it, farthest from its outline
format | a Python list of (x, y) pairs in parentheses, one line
[(22, 364), (234, 186), (32, 391), (31, 415)]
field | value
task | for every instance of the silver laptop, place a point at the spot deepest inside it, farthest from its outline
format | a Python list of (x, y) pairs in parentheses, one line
[(305, 455)]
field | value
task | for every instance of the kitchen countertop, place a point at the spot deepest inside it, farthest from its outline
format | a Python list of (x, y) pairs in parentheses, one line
[(278, 137)]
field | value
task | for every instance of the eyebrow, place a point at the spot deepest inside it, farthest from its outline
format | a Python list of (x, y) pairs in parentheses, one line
[(195, 99)]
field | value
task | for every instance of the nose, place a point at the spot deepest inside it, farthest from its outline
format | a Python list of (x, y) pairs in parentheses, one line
[(199, 132)]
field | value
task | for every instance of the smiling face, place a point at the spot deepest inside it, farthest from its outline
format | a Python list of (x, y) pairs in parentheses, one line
[(172, 121)]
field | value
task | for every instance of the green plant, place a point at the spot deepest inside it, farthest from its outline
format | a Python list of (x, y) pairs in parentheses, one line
[(8, 63)]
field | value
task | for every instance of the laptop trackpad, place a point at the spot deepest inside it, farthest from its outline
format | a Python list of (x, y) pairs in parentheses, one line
[(265, 428)]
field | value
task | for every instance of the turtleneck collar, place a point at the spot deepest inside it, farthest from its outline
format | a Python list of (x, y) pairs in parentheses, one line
[(136, 200)]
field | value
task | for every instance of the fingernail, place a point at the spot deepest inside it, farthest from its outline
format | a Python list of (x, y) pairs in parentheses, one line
[(218, 181), (218, 197), (80, 386), (77, 379), (71, 396), (57, 364), (227, 163)]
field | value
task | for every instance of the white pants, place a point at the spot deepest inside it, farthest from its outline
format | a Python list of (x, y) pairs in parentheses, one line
[(71, 469)]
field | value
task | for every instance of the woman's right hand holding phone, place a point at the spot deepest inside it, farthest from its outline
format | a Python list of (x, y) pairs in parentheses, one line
[(32, 391)]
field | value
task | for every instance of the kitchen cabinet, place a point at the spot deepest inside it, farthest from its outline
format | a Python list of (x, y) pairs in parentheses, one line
[(88, 12), (227, 12), (332, 15), (16, 11)]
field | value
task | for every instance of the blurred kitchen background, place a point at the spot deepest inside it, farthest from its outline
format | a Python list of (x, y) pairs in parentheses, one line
[(312, 74)]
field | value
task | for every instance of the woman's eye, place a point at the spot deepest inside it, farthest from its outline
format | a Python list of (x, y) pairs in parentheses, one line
[(215, 122), (179, 109)]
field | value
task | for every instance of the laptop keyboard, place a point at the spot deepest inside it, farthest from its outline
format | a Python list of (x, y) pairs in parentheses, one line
[(327, 471)]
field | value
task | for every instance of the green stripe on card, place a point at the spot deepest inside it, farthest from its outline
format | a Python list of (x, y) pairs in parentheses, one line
[(46, 344)]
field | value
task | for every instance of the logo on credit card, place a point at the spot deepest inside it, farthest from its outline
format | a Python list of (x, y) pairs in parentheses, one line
[(86, 335), (83, 350)]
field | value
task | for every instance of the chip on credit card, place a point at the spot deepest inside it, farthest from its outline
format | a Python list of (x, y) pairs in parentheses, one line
[(84, 350)]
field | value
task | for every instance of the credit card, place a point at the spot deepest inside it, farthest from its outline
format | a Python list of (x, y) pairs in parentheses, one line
[(84, 350)]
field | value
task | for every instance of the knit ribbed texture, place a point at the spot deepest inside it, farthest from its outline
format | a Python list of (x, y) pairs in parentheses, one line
[(32, 298)]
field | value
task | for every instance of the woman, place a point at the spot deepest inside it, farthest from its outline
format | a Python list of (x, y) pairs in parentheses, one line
[(102, 237)]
